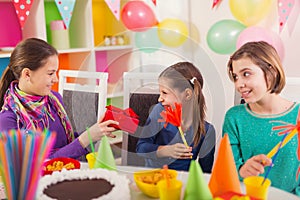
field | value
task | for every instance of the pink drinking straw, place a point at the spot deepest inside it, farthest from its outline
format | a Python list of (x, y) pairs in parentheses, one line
[(24, 166), (48, 142), (4, 171)]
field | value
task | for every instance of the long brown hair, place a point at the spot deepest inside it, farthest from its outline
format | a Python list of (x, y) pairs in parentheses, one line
[(31, 53), (185, 75)]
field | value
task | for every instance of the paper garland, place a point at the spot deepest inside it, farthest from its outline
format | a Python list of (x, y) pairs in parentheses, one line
[(114, 6), (284, 10), (66, 8), (215, 3), (22, 8)]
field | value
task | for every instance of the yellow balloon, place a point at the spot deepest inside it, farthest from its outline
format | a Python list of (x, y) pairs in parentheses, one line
[(172, 32), (250, 12)]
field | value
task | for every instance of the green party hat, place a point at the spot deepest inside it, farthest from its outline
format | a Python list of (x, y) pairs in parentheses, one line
[(196, 187), (105, 158)]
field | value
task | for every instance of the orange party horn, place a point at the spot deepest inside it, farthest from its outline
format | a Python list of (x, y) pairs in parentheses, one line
[(166, 175)]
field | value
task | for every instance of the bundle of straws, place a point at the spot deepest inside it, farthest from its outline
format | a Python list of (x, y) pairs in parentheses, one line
[(21, 159)]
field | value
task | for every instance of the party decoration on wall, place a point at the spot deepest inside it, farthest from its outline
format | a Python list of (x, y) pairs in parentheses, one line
[(222, 36), (114, 6), (148, 41), (22, 8), (172, 32), (285, 8), (215, 3), (256, 33), (138, 16), (250, 12), (66, 8)]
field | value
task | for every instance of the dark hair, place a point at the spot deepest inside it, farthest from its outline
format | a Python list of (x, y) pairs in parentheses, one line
[(185, 75), (266, 57), (31, 53)]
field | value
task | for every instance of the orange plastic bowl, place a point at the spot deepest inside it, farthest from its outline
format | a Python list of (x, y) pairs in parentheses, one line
[(147, 180), (57, 164)]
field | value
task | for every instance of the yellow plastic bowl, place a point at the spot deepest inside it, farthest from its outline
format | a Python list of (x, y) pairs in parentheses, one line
[(147, 180)]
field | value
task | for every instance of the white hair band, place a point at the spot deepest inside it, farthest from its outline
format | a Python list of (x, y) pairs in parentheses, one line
[(193, 80)]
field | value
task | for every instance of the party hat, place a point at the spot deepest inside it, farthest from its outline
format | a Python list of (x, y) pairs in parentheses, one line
[(196, 187), (105, 158), (224, 176)]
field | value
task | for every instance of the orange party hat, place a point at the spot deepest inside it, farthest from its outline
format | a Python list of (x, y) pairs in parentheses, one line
[(224, 176), (196, 187)]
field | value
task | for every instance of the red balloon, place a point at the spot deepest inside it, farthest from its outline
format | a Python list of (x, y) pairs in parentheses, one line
[(138, 16)]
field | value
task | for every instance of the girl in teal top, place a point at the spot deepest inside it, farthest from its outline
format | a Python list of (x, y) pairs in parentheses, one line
[(258, 76)]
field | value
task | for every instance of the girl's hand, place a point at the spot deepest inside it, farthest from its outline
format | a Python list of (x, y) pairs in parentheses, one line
[(255, 166), (178, 151), (97, 131)]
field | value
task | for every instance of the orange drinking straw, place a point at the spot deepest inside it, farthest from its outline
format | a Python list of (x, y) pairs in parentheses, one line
[(166, 175)]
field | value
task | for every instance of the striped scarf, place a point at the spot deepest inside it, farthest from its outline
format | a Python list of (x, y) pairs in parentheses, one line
[(31, 110)]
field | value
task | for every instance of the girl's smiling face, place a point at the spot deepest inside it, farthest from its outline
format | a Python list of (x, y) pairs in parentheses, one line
[(40, 82), (168, 96), (249, 80)]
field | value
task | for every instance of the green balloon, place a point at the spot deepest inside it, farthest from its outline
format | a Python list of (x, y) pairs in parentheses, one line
[(222, 36), (148, 41)]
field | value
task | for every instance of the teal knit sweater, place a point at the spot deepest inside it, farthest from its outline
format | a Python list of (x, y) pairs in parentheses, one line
[(251, 134)]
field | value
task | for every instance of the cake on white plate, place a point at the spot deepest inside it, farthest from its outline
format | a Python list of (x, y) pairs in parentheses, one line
[(100, 184)]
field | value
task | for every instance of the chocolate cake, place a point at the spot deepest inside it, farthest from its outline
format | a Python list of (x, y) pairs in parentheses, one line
[(84, 184)]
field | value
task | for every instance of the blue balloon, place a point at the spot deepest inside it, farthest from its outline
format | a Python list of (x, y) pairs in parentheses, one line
[(148, 41)]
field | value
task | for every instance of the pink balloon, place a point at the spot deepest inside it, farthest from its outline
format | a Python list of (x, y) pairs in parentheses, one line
[(138, 16), (255, 33)]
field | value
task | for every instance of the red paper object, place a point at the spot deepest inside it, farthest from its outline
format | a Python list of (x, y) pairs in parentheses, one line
[(231, 195), (128, 120), (22, 9)]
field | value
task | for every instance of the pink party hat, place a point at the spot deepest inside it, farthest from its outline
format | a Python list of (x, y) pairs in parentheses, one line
[(196, 187), (224, 177), (105, 158)]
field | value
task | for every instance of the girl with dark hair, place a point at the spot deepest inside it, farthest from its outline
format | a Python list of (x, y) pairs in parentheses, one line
[(28, 103)]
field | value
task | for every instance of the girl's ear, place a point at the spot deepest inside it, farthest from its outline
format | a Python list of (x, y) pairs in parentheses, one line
[(26, 73), (188, 94)]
